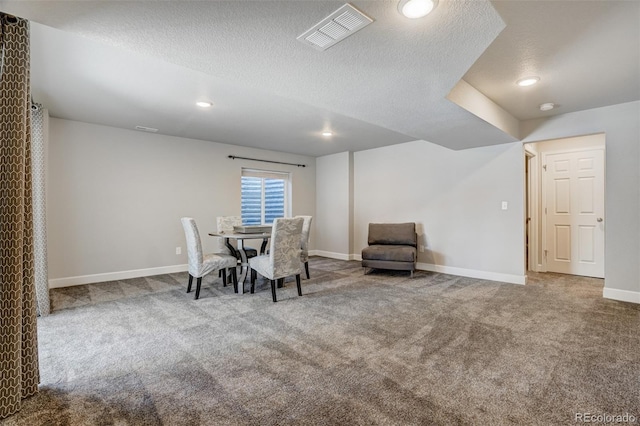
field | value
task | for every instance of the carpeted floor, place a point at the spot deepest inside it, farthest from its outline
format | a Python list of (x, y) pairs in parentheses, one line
[(355, 349)]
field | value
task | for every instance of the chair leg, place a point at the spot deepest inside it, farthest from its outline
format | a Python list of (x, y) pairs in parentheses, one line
[(306, 269), (298, 284), (234, 279), (224, 277), (198, 282), (190, 282), (253, 280), (273, 290), (280, 282)]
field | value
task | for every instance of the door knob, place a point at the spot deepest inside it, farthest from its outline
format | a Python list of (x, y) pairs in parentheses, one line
[(599, 219)]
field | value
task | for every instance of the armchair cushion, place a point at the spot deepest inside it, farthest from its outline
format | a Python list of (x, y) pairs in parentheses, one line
[(393, 233), (390, 253)]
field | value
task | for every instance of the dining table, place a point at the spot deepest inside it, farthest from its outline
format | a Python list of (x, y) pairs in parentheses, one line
[(239, 250)]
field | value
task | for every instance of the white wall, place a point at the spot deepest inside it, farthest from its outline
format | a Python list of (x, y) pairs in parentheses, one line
[(455, 197), (621, 125), (116, 197), (334, 205)]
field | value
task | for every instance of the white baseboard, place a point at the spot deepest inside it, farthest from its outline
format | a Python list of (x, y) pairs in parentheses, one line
[(472, 273), (621, 295), (491, 276), (113, 276), (332, 255)]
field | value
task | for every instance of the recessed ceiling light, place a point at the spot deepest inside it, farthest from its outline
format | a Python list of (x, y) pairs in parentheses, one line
[(327, 134), (204, 104), (416, 8), (528, 81), (547, 106)]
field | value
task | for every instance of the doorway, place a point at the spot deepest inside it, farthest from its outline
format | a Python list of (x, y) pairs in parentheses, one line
[(565, 195)]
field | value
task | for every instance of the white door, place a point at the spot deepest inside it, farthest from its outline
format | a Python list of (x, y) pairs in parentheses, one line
[(574, 210)]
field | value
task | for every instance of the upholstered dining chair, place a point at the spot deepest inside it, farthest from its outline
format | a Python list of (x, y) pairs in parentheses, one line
[(304, 254), (283, 259), (202, 264), (226, 224)]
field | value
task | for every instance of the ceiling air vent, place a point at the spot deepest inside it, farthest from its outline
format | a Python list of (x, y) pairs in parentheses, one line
[(334, 28)]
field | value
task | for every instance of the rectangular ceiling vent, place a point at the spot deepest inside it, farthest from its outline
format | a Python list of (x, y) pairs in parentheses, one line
[(334, 28)]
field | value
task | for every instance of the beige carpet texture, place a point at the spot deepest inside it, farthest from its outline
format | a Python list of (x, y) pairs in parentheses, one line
[(356, 349)]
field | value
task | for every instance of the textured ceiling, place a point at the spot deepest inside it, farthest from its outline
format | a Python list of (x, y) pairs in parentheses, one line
[(144, 63), (586, 53), (95, 83)]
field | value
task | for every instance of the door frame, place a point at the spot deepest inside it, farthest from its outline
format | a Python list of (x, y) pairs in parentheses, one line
[(533, 202)]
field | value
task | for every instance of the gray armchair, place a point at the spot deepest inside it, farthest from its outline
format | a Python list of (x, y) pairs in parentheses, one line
[(391, 246)]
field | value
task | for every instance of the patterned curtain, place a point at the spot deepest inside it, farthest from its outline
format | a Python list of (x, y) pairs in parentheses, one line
[(19, 373), (38, 170)]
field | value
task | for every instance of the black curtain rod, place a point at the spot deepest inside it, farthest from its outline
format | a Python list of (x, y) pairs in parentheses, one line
[(233, 157)]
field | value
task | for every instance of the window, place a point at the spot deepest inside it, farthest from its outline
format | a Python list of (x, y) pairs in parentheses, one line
[(265, 196)]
